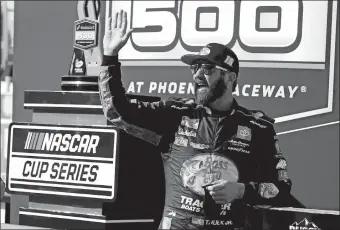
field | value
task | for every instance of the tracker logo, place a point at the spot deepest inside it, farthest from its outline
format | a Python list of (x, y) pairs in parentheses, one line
[(304, 225), (190, 204), (62, 142)]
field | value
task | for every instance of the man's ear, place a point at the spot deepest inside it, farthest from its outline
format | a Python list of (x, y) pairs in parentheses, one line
[(230, 78)]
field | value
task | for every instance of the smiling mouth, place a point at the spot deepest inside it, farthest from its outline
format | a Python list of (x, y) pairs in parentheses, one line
[(201, 83), (202, 86)]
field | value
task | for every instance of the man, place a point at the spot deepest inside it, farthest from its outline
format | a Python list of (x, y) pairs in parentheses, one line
[(218, 157)]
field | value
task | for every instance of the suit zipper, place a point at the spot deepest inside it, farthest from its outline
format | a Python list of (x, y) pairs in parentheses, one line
[(213, 148)]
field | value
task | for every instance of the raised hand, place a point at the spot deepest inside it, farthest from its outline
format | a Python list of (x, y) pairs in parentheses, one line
[(116, 35)]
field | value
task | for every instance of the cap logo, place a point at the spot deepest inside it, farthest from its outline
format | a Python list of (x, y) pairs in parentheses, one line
[(229, 60), (204, 51)]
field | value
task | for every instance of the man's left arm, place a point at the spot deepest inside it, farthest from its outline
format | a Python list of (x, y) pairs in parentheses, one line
[(272, 185)]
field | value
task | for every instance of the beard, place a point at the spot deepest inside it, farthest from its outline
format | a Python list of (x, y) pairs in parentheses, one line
[(208, 94)]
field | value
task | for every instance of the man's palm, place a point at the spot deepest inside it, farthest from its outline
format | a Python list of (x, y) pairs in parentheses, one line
[(115, 34)]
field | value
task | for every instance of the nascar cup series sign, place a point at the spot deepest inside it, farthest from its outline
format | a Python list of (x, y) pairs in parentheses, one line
[(286, 50), (62, 160)]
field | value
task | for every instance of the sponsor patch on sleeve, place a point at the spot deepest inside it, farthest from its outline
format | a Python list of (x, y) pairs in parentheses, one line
[(282, 164), (190, 123), (181, 141), (258, 115), (268, 190), (258, 124), (186, 132), (283, 175), (277, 147)]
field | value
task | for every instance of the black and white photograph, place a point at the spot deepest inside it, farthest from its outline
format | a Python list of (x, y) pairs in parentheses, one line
[(170, 114)]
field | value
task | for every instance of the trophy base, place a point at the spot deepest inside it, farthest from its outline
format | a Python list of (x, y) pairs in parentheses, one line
[(79, 83)]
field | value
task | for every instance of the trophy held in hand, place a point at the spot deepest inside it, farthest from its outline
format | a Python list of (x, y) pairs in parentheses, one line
[(86, 59)]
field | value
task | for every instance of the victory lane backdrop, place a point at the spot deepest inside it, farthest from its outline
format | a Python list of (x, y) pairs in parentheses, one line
[(62, 160), (287, 69)]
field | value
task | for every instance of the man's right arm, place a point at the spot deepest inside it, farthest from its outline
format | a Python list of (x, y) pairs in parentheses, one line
[(159, 117), (116, 104)]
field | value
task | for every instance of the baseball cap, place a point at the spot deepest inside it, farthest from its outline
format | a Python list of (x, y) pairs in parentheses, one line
[(217, 54)]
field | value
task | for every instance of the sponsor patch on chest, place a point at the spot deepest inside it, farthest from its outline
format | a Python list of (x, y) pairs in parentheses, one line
[(237, 145), (243, 133), (240, 150)]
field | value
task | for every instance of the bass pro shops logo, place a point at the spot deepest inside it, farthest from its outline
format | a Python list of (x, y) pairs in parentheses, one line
[(204, 169), (286, 50), (304, 225)]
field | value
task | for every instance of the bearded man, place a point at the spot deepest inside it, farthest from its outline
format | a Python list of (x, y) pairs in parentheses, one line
[(219, 158)]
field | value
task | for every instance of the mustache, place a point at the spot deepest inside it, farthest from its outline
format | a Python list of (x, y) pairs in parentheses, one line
[(200, 80), (212, 93)]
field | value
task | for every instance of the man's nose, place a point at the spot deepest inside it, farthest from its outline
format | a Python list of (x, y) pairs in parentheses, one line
[(199, 74)]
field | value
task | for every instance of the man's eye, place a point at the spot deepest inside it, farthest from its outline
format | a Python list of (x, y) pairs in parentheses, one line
[(208, 66)]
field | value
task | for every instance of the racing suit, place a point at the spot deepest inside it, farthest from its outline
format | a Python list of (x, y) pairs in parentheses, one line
[(199, 146)]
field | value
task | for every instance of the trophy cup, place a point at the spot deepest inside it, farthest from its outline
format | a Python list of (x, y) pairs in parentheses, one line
[(86, 59)]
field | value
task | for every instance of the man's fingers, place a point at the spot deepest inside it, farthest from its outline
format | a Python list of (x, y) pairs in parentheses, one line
[(114, 21), (221, 201), (219, 197), (217, 193), (216, 187), (127, 35), (217, 182), (108, 24), (120, 19), (124, 22)]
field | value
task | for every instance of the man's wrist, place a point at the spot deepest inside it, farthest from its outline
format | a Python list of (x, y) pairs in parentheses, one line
[(109, 60), (110, 53)]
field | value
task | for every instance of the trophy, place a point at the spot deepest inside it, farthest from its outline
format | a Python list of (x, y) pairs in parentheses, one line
[(86, 59)]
